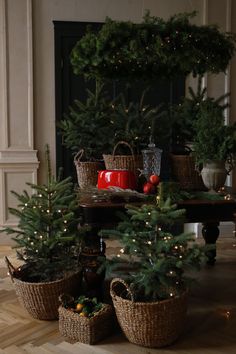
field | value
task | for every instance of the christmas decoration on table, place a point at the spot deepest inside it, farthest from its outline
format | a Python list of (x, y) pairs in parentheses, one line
[(151, 160), (150, 187), (159, 257), (153, 49), (112, 194), (47, 237)]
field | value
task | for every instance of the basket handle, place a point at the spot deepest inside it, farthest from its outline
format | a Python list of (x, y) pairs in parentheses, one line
[(120, 281), (124, 143), (10, 268), (78, 157)]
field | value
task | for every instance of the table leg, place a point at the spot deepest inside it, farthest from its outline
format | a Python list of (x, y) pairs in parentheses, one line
[(210, 233)]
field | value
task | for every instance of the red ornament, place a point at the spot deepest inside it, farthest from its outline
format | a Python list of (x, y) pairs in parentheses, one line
[(154, 179), (149, 188)]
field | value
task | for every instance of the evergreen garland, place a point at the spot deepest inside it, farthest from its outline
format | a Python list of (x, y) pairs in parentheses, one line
[(152, 49), (47, 236)]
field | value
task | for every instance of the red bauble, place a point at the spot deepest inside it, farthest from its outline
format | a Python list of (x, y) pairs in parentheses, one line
[(154, 179), (149, 188)]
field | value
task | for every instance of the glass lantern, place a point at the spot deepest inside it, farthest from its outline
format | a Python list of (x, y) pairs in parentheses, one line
[(151, 160)]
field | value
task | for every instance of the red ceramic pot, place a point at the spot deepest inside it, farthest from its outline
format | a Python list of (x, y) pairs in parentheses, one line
[(116, 178)]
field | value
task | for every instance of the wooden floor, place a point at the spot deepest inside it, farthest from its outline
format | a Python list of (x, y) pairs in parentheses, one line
[(210, 326)]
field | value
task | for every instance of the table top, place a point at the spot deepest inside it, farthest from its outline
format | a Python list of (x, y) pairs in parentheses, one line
[(197, 210)]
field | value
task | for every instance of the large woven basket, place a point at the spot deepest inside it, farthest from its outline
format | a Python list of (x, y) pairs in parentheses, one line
[(149, 324), (185, 173), (87, 172), (83, 329), (124, 162), (41, 299)]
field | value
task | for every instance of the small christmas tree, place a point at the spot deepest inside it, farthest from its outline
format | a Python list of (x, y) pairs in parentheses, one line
[(159, 258), (47, 235)]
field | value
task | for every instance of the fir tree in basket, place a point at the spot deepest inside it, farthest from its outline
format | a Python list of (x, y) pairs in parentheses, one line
[(88, 125), (47, 237), (48, 242), (135, 122), (152, 265), (159, 257)]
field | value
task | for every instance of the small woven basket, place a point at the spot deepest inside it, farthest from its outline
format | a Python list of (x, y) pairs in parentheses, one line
[(124, 162), (149, 324), (41, 299), (87, 172), (185, 173), (83, 329)]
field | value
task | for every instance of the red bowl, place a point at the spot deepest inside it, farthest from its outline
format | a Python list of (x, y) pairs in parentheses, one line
[(116, 178)]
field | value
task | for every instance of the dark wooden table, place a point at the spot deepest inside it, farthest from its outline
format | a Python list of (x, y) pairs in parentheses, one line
[(210, 213)]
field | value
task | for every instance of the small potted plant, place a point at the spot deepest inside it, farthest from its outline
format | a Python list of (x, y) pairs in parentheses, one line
[(48, 242), (154, 292), (87, 131), (214, 145), (183, 116)]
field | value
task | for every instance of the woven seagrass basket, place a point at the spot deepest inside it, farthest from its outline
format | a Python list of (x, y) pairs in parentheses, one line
[(41, 299), (149, 324), (124, 162), (185, 173), (87, 172), (83, 329)]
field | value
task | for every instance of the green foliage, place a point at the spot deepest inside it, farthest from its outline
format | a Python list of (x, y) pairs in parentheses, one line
[(84, 306), (47, 237), (158, 256), (184, 114), (213, 139), (88, 126), (152, 49), (137, 123)]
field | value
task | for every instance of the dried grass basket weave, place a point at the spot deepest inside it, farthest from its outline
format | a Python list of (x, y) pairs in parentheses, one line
[(149, 324), (87, 172), (41, 299), (185, 173), (123, 162), (83, 329)]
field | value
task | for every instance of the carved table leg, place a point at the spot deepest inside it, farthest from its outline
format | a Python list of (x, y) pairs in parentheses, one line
[(210, 233)]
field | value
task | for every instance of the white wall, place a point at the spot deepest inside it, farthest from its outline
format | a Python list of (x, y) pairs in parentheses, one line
[(27, 95)]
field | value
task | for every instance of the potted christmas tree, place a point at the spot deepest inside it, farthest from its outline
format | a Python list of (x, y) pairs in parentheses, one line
[(184, 116), (214, 145), (88, 132), (155, 290), (48, 242)]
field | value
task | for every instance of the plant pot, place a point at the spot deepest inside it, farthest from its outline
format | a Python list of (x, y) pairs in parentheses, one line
[(83, 329), (149, 324), (184, 172), (214, 175), (87, 171), (41, 299)]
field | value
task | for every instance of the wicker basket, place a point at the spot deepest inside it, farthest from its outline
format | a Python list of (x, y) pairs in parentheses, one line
[(153, 324), (124, 162), (87, 172), (83, 329), (41, 299), (184, 172)]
